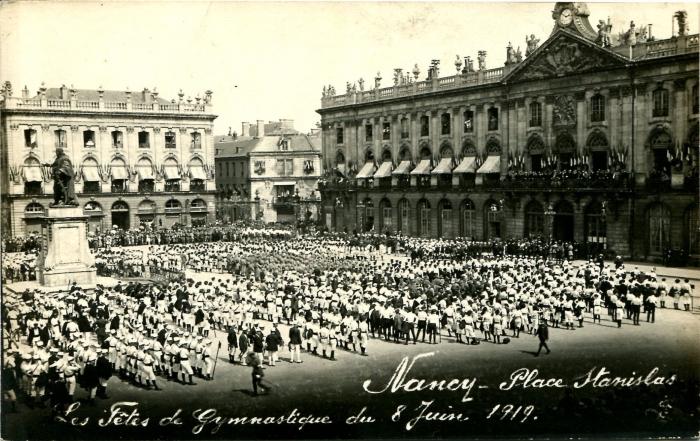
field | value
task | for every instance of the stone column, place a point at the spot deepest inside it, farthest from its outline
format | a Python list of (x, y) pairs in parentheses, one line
[(612, 115), (415, 132), (521, 125), (480, 128), (581, 118), (548, 120), (639, 112)]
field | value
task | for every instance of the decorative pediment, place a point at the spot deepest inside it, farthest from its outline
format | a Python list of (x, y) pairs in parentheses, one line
[(564, 54)]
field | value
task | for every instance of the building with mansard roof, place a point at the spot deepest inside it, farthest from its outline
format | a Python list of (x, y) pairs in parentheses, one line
[(586, 137), (272, 177), (137, 157)]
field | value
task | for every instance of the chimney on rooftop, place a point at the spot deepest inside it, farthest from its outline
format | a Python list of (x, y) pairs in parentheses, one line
[(146, 95), (287, 124), (246, 129), (261, 128), (63, 92), (25, 93)]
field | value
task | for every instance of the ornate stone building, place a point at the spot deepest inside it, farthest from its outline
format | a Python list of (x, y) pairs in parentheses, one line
[(590, 137), (272, 177), (138, 157)]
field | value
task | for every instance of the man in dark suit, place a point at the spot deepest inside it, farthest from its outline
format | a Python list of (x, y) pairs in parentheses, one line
[(543, 334), (295, 342)]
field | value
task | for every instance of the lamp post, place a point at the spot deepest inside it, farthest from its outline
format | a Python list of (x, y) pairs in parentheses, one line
[(549, 214)]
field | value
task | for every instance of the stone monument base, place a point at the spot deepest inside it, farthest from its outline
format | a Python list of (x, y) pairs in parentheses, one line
[(65, 256)]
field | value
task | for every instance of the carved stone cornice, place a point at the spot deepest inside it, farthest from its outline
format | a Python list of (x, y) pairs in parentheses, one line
[(45, 127), (130, 129), (156, 129), (74, 128), (103, 128), (479, 108)]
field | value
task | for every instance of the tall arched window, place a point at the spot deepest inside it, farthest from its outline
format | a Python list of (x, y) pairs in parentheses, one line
[(535, 150), (146, 176), (659, 224), (32, 177), (493, 148), (404, 217), (565, 146), (387, 223), (660, 98), (424, 218), (595, 228), (535, 114), (445, 219), (469, 219), (597, 108), (661, 142), (598, 144), (534, 219)]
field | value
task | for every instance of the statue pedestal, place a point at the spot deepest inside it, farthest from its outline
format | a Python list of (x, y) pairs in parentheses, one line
[(65, 256)]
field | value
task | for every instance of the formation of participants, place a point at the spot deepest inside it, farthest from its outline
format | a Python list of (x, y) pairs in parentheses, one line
[(333, 293)]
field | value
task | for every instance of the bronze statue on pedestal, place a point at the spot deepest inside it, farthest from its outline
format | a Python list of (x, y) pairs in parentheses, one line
[(63, 180)]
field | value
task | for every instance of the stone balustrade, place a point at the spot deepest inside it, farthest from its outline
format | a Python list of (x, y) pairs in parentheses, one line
[(97, 106)]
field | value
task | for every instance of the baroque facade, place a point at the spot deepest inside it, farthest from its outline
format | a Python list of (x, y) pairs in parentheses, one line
[(272, 177), (137, 157), (589, 138)]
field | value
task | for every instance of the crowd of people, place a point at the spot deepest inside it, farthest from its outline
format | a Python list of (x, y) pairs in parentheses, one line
[(318, 294)]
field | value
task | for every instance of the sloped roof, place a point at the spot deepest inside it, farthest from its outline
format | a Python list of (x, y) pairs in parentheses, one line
[(236, 148), (297, 143), (54, 93)]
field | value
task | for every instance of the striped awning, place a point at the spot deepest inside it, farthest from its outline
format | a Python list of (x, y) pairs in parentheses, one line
[(32, 173), (468, 165), (197, 172), (145, 172), (403, 168), (90, 174), (443, 167), (367, 171), (119, 172), (171, 172), (384, 170), (423, 168), (491, 165)]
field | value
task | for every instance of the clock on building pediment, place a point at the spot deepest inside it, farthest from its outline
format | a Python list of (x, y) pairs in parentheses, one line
[(574, 17), (564, 54)]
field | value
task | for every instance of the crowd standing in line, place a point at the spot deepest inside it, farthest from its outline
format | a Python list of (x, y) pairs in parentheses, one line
[(335, 293)]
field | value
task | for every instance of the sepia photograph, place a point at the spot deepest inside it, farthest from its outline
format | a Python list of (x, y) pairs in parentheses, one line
[(349, 220)]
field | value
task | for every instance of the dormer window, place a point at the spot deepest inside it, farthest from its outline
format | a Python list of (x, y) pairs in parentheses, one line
[(284, 145), (88, 139)]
